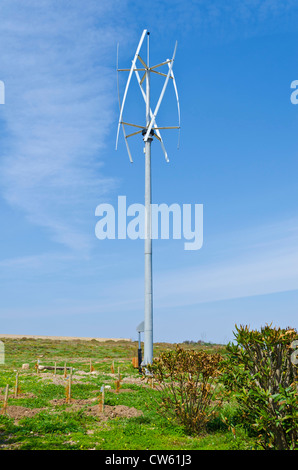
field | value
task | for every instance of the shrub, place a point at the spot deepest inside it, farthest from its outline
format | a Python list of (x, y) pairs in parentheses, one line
[(187, 382), (263, 377)]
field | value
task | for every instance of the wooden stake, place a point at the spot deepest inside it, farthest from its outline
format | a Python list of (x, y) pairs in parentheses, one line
[(55, 368), (112, 368), (117, 383), (65, 370), (69, 385), (103, 398), (16, 385)]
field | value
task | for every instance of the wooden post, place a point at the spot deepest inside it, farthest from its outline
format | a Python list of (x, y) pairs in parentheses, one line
[(5, 399), (101, 400), (135, 362), (69, 384), (112, 368), (16, 385), (55, 368), (65, 370)]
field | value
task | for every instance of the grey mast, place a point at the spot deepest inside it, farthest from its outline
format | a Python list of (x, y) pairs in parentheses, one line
[(148, 132)]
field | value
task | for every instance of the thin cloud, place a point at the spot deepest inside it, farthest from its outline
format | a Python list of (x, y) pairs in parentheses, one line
[(59, 108)]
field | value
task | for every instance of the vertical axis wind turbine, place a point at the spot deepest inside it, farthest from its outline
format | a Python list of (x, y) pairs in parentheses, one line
[(149, 131)]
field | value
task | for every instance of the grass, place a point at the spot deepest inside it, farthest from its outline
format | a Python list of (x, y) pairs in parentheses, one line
[(59, 426)]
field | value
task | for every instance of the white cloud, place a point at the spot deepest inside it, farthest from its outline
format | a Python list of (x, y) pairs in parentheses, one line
[(60, 99)]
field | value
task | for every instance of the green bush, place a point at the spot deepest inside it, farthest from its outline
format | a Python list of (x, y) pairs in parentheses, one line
[(187, 384), (262, 376)]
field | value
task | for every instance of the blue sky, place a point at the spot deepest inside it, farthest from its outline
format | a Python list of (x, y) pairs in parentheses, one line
[(238, 157)]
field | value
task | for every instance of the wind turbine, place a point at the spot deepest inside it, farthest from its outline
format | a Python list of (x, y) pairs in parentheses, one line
[(149, 131)]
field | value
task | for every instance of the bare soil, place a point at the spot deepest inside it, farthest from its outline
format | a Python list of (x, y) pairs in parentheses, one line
[(90, 407), (19, 412)]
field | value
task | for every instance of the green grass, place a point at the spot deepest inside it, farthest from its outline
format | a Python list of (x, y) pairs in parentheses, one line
[(58, 426)]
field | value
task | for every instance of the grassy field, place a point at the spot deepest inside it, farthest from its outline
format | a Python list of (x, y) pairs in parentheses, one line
[(41, 417)]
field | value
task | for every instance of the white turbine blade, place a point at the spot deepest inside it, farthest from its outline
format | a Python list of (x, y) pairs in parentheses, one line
[(162, 145), (127, 146), (161, 96), (158, 137), (128, 81), (178, 105), (128, 150), (151, 114)]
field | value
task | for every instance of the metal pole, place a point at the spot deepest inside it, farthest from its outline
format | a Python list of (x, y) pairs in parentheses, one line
[(148, 317), (140, 354)]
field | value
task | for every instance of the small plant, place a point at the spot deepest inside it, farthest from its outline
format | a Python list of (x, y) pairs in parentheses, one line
[(117, 385), (101, 399), (68, 388), (187, 382), (260, 374), (118, 381)]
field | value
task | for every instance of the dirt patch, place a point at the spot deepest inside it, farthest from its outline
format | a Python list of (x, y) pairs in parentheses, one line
[(79, 403), (18, 412), (117, 411), (89, 406)]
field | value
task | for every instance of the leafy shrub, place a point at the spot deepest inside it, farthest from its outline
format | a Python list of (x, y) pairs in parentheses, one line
[(263, 377), (187, 382)]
